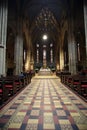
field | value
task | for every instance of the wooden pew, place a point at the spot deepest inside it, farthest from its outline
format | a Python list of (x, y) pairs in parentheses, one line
[(28, 77), (64, 76), (78, 83), (10, 85), (3, 92), (17, 82), (58, 73), (75, 82), (25, 78), (69, 80), (83, 86), (32, 72), (22, 79)]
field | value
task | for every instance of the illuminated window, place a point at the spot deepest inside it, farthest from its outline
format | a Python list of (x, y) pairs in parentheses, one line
[(44, 46), (51, 45), (37, 45), (44, 54), (24, 55), (78, 52), (51, 56), (37, 56)]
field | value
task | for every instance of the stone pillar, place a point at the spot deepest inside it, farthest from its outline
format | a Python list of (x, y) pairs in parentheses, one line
[(72, 57), (27, 64), (3, 36), (72, 51), (85, 24), (19, 49), (61, 59)]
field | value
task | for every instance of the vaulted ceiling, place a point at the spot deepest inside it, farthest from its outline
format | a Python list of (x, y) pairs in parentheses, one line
[(33, 7), (44, 16)]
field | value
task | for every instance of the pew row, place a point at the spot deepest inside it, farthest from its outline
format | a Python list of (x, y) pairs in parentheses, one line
[(10, 85), (77, 83)]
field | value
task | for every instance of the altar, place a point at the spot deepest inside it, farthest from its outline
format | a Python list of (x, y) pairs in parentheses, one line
[(45, 71)]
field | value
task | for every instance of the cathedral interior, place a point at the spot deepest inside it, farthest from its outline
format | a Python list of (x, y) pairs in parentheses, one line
[(23, 25), (43, 64)]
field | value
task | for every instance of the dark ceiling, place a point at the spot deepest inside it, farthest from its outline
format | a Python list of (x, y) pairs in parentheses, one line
[(33, 7), (36, 9), (44, 15)]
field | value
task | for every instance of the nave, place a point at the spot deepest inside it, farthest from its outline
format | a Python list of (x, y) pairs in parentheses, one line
[(44, 104)]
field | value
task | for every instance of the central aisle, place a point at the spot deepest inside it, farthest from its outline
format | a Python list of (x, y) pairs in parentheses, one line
[(45, 104)]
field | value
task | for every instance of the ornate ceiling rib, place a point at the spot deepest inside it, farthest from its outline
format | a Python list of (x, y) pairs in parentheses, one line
[(45, 22)]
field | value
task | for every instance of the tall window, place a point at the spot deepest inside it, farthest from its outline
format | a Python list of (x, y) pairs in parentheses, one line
[(78, 51), (44, 54), (51, 53), (37, 55), (24, 55), (51, 56)]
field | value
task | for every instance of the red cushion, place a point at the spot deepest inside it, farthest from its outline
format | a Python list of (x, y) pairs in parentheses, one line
[(8, 86), (17, 83), (76, 83), (84, 85), (0, 90)]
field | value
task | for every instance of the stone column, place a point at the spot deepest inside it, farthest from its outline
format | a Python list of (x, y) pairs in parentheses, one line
[(72, 51), (72, 56), (19, 49), (61, 58), (3, 35), (85, 24), (27, 64)]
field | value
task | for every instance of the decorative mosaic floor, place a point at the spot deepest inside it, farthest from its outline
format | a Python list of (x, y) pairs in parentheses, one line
[(45, 104)]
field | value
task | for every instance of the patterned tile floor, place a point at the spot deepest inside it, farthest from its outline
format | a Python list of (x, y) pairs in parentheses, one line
[(45, 104)]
